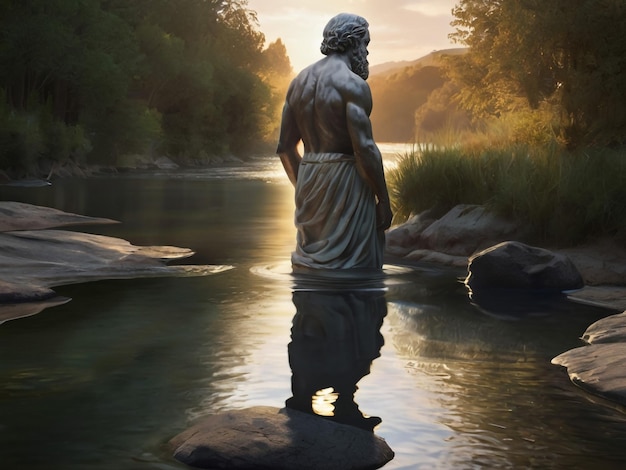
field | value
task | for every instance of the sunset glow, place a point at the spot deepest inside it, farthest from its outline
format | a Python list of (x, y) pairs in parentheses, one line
[(400, 30)]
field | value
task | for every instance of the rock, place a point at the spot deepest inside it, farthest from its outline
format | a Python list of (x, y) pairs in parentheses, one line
[(133, 162), (514, 265), (610, 329), (272, 438), (598, 369), (56, 257), (29, 183), (21, 216), (609, 297), (600, 263), (31, 261), (466, 229), (402, 239), (435, 257), (164, 163), (12, 311), (11, 292)]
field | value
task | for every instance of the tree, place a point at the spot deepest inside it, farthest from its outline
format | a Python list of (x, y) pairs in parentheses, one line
[(569, 53), (188, 78)]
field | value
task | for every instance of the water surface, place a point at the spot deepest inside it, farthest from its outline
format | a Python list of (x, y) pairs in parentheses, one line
[(103, 381)]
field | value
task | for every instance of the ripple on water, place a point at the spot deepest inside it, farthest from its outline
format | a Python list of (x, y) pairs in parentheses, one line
[(302, 280)]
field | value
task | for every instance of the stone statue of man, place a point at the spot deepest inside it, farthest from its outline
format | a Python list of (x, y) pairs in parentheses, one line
[(342, 203)]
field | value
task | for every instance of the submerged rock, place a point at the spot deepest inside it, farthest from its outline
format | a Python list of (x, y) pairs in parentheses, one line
[(273, 438)]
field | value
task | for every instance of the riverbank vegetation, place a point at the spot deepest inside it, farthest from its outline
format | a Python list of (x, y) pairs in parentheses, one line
[(88, 81), (559, 196), (531, 120)]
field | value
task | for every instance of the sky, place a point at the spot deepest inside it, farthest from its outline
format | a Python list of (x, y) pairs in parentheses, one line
[(399, 29)]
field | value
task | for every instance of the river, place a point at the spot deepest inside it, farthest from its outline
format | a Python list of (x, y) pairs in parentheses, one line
[(105, 380)]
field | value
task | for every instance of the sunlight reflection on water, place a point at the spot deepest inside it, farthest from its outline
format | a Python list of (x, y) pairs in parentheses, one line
[(105, 379)]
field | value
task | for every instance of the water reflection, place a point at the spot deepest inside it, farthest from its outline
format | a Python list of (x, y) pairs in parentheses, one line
[(334, 339), (519, 304), (101, 380)]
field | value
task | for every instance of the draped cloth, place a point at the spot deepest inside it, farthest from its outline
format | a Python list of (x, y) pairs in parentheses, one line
[(335, 215)]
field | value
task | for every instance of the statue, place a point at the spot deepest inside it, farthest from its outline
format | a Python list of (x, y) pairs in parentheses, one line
[(342, 203)]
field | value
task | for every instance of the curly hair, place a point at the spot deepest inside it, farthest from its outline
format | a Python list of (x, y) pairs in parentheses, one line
[(343, 32)]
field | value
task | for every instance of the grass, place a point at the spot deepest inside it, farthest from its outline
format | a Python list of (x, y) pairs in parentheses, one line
[(561, 197)]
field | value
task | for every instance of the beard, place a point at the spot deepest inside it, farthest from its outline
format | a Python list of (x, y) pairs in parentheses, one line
[(361, 66)]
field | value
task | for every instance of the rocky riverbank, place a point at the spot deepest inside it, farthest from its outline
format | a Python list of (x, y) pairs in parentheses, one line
[(596, 366), (468, 229), (36, 255)]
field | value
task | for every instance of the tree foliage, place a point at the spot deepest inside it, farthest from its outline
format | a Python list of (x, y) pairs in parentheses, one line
[(188, 78), (568, 53)]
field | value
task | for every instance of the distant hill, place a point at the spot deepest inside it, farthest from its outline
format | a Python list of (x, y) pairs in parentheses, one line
[(399, 89), (429, 59)]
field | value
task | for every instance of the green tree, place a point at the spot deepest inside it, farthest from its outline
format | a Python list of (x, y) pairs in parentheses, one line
[(109, 77), (63, 63), (569, 53)]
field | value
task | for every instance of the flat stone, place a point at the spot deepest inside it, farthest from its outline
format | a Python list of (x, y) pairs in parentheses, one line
[(22, 216), (56, 257), (13, 311), (598, 369), (34, 257), (610, 329), (609, 297), (11, 292), (271, 438)]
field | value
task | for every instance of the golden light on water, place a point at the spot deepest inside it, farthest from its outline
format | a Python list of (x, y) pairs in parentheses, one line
[(323, 401)]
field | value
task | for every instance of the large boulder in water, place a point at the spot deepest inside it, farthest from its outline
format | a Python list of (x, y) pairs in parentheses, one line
[(267, 437), (514, 265)]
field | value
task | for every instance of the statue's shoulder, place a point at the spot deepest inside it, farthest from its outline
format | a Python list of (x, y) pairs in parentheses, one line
[(326, 75)]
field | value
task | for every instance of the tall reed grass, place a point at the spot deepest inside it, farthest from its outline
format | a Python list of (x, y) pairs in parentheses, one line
[(561, 197)]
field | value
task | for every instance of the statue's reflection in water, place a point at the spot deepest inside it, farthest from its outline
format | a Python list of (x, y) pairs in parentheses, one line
[(334, 339)]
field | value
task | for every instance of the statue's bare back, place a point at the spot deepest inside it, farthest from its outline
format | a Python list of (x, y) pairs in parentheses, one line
[(342, 203), (320, 95)]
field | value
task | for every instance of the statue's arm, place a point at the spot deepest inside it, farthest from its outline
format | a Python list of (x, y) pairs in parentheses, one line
[(368, 158), (288, 144)]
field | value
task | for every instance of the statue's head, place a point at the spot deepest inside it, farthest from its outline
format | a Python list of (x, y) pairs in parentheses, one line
[(348, 33)]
